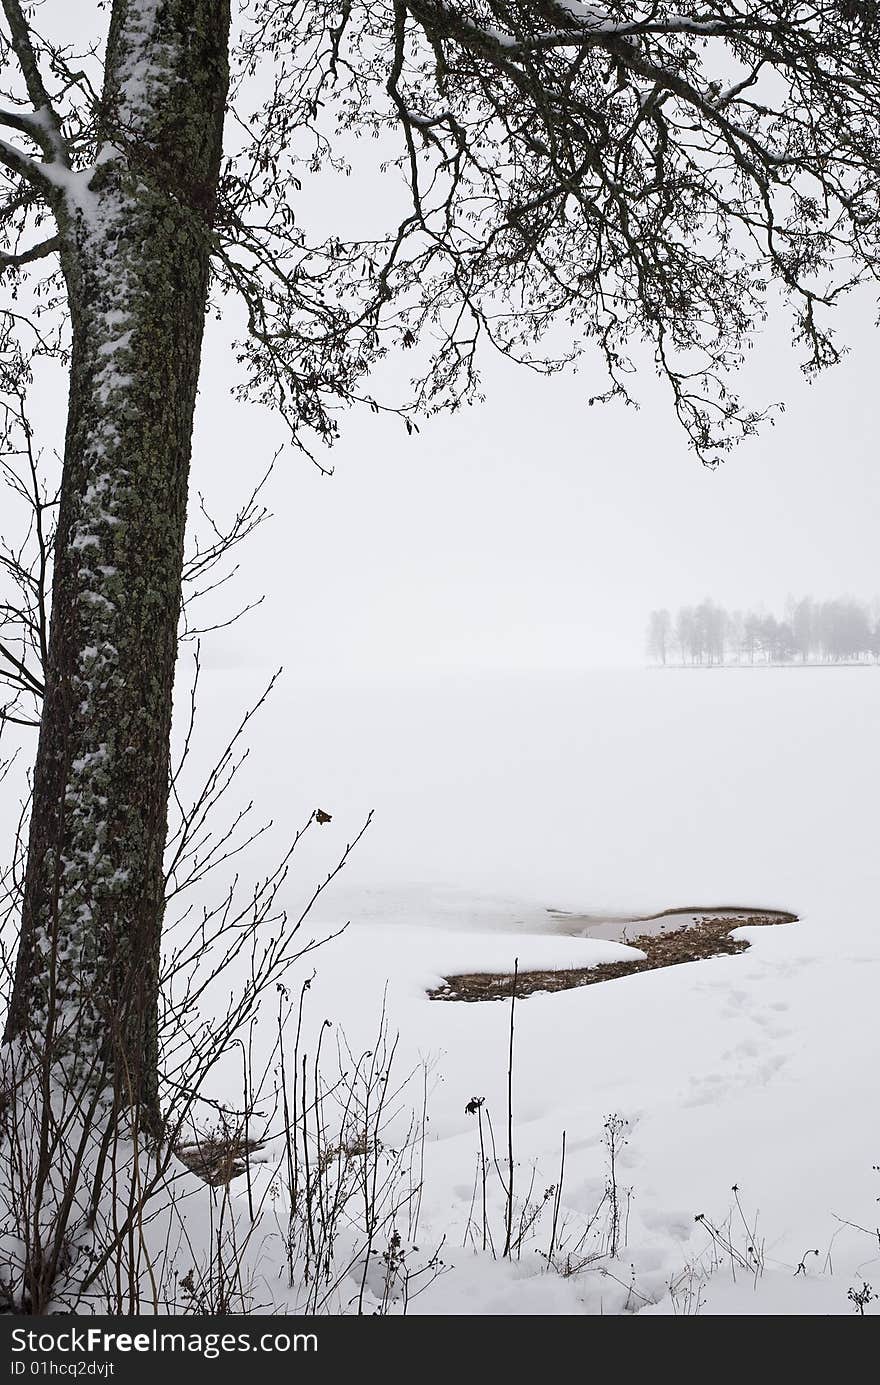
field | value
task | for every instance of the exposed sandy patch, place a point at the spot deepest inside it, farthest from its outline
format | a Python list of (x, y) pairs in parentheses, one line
[(668, 939)]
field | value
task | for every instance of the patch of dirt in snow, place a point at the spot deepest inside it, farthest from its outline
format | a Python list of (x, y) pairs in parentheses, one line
[(217, 1159), (668, 939)]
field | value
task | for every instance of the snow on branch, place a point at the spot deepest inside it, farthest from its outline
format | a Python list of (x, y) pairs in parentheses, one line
[(44, 121)]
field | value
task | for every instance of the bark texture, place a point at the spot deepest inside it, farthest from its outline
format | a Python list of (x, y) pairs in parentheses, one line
[(136, 235)]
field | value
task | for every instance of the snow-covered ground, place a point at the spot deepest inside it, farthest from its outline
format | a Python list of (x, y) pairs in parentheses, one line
[(499, 798)]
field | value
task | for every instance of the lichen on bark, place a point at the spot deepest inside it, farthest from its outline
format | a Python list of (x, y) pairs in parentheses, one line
[(135, 231)]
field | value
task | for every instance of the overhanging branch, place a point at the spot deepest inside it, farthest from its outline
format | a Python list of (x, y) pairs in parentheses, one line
[(35, 252)]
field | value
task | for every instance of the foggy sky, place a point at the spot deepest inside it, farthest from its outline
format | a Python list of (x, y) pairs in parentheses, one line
[(535, 532), (531, 532)]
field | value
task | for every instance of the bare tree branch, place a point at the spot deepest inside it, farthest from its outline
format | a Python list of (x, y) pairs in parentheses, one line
[(36, 252)]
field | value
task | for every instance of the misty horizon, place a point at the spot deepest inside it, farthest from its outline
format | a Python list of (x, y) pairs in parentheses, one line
[(839, 630)]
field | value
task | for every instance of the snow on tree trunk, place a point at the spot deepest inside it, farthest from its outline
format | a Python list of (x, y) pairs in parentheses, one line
[(135, 234)]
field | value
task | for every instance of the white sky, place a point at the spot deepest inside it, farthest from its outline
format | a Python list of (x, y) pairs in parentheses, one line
[(533, 532), (536, 532)]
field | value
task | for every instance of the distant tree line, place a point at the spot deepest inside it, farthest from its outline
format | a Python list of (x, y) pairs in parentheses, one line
[(827, 632)]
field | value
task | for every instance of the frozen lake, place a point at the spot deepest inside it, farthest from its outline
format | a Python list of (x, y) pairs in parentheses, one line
[(499, 797)]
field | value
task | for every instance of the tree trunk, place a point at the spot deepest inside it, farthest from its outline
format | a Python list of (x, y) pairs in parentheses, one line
[(135, 234)]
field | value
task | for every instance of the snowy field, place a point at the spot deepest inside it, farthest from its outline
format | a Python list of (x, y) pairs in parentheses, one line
[(499, 798)]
